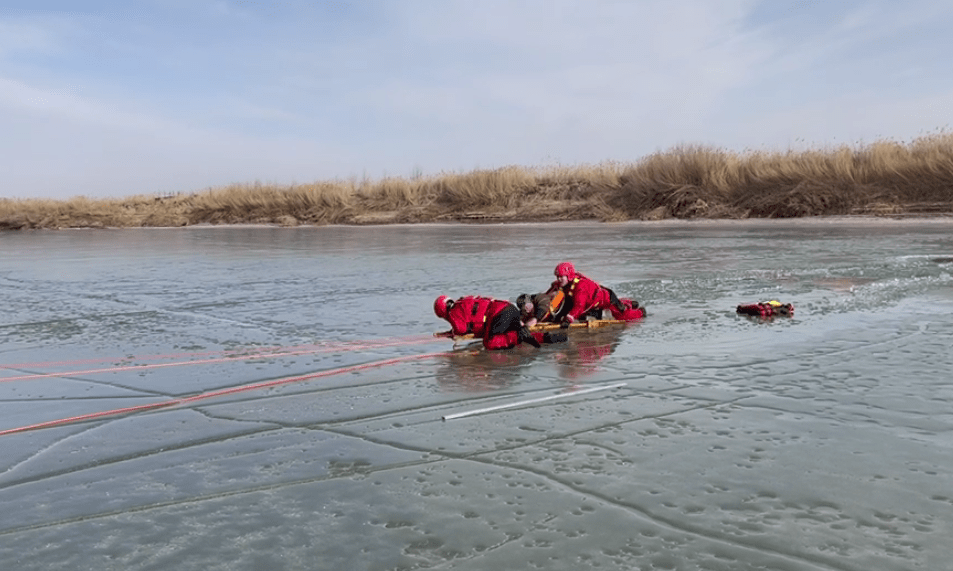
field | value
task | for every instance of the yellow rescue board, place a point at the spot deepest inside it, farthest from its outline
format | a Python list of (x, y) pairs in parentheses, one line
[(550, 327)]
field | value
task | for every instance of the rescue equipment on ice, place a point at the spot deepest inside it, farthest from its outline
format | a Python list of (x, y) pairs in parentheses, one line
[(767, 309)]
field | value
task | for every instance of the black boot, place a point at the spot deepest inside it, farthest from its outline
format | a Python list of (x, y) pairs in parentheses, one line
[(555, 337), (593, 314), (614, 300)]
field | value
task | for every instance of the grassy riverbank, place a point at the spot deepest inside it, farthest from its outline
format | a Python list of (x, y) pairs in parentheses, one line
[(884, 178)]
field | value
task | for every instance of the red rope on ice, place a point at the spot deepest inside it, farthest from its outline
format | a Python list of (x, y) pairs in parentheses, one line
[(304, 350), (317, 347), (213, 394)]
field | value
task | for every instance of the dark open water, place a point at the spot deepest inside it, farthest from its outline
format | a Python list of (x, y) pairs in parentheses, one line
[(819, 442)]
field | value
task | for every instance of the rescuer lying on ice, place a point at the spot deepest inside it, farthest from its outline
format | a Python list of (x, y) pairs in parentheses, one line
[(496, 321), (585, 297)]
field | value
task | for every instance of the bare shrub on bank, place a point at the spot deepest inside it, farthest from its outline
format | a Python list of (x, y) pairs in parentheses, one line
[(689, 181)]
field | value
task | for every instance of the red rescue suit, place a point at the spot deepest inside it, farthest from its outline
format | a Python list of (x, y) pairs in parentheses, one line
[(631, 312), (496, 321), (583, 295), (469, 314)]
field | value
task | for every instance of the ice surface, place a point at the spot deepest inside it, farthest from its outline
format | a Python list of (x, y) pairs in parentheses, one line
[(822, 441)]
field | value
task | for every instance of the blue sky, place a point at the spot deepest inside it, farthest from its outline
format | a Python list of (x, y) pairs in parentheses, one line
[(124, 97)]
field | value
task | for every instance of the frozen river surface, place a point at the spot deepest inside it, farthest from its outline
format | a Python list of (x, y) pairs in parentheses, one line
[(267, 398)]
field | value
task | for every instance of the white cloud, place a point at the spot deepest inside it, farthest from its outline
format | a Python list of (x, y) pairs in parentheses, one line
[(65, 104), (18, 37), (60, 144), (599, 73)]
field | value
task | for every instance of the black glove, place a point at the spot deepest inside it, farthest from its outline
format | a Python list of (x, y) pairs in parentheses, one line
[(526, 337)]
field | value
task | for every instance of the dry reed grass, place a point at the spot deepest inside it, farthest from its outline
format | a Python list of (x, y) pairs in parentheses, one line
[(882, 178)]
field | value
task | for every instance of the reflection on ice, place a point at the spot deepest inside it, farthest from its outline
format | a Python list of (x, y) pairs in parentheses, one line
[(583, 355)]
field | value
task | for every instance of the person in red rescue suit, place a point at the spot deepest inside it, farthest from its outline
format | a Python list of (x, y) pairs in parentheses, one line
[(496, 321), (586, 297)]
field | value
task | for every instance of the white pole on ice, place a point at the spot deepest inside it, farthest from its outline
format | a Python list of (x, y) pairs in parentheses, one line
[(532, 401)]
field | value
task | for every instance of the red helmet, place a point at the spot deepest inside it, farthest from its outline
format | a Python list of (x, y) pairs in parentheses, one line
[(440, 306), (565, 269)]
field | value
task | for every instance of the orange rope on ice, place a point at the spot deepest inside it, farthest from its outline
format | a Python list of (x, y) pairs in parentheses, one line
[(213, 394)]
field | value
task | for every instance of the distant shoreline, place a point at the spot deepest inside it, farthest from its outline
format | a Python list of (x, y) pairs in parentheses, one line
[(895, 216), (832, 221), (885, 179)]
